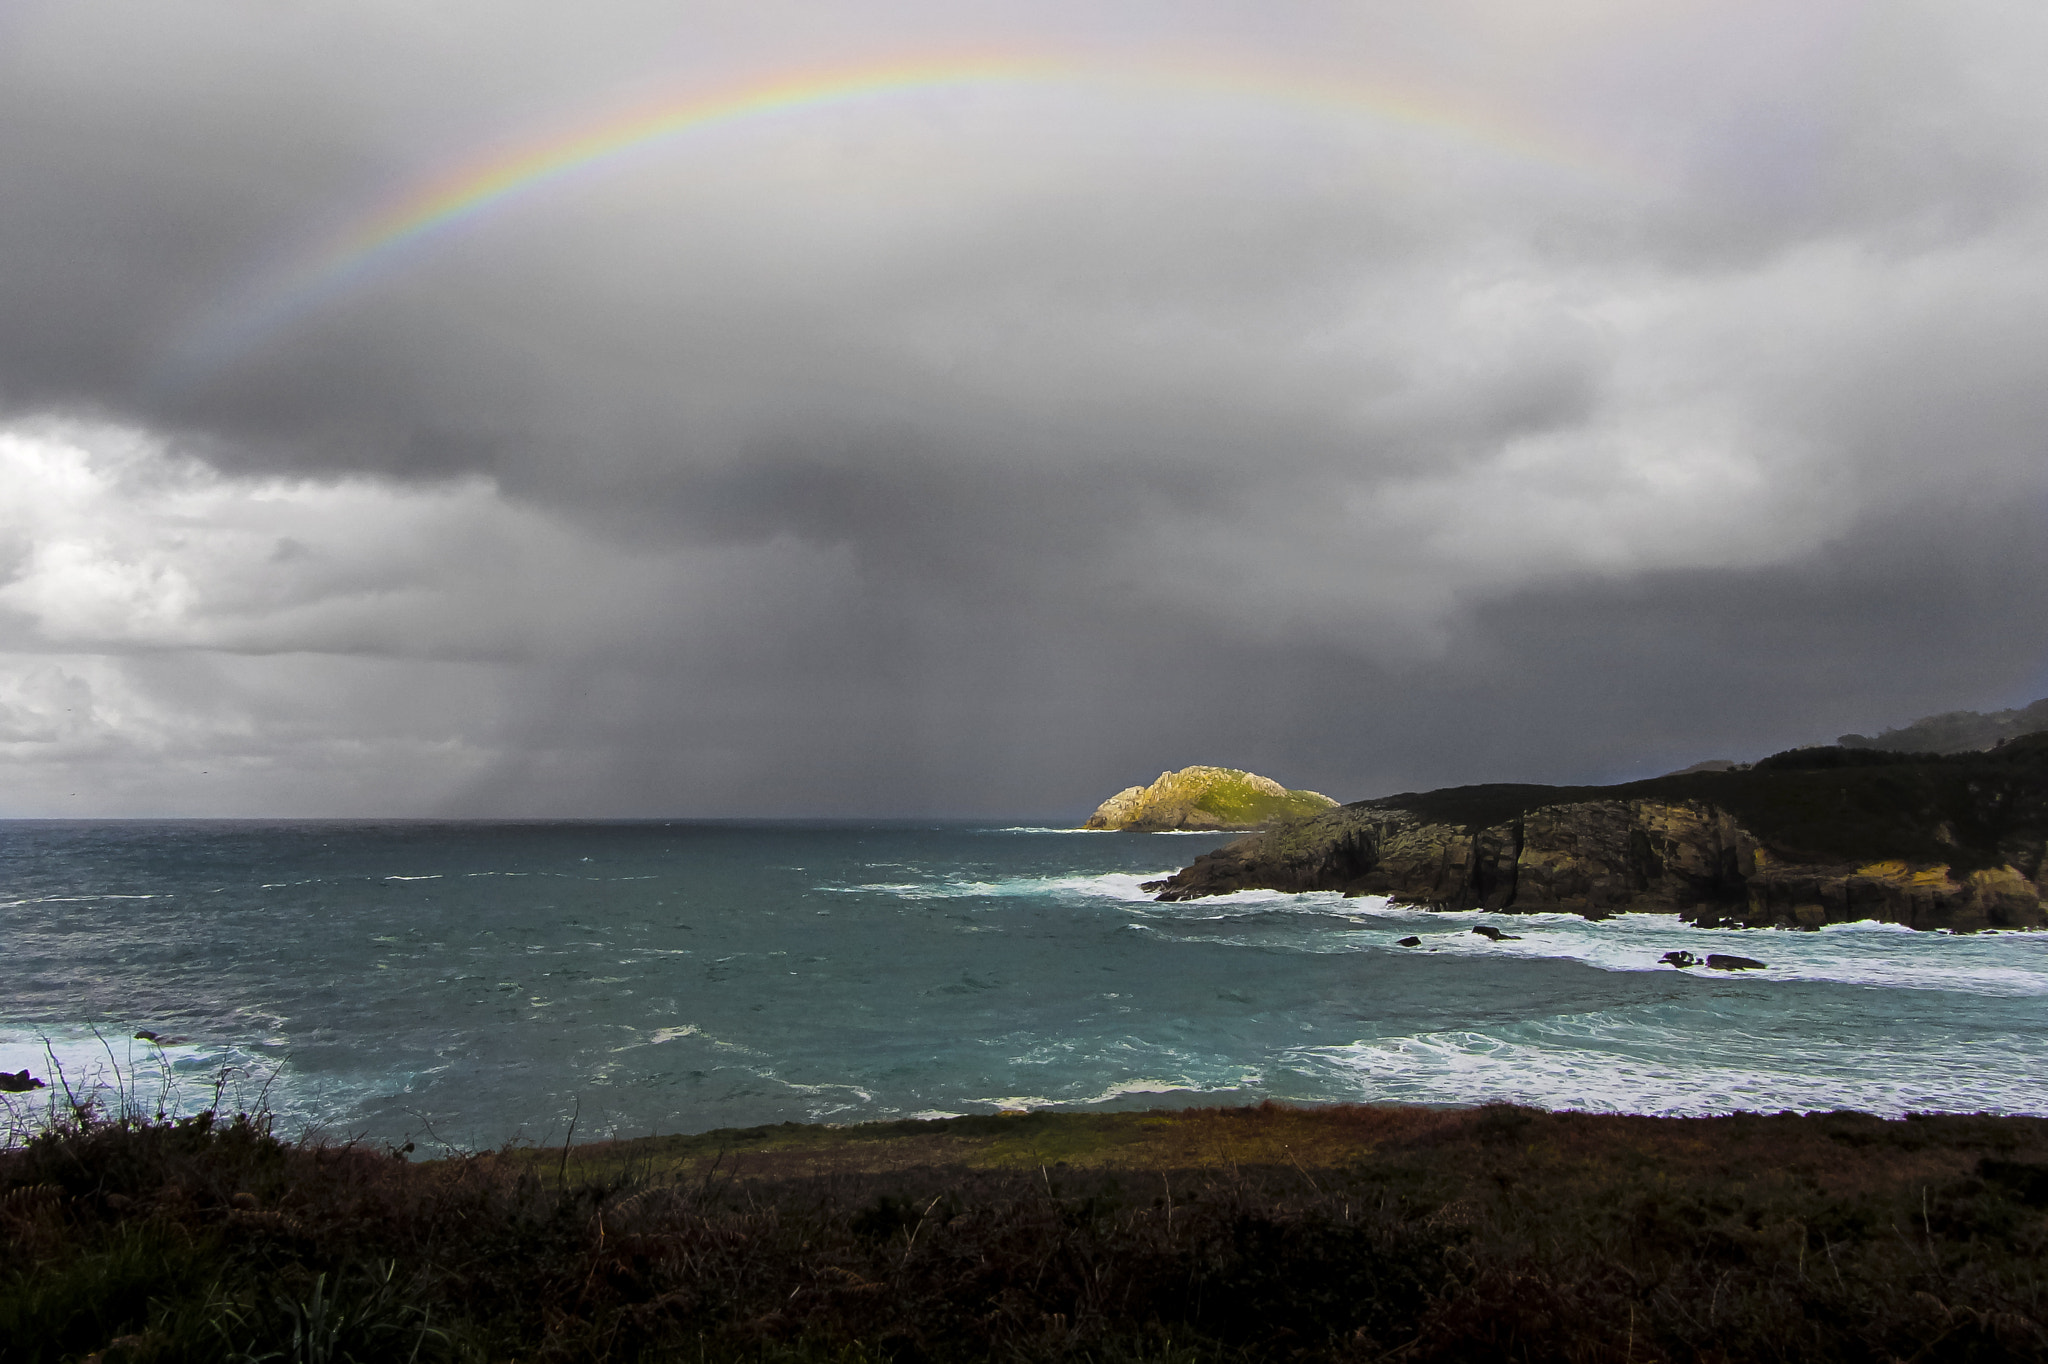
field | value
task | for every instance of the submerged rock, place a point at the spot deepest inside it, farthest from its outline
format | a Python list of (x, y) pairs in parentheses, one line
[(1717, 962), (1409, 942), (1219, 798), (1495, 935)]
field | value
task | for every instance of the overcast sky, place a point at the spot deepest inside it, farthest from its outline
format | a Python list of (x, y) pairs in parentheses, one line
[(1371, 394)]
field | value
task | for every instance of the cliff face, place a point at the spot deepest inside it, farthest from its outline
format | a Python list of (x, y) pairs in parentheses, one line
[(1941, 843), (1206, 798)]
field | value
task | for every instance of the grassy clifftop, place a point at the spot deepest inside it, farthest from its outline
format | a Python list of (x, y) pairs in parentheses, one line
[(1968, 810)]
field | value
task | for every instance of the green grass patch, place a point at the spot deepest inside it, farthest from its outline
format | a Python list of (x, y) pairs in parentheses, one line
[(1239, 802)]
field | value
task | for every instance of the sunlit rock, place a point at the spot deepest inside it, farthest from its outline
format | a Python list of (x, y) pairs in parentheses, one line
[(1206, 798)]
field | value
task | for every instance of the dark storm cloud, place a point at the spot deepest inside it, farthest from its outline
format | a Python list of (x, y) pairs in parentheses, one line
[(1671, 389)]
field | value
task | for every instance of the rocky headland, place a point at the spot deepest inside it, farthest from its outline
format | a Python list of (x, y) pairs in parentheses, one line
[(1800, 839), (1220, 798)]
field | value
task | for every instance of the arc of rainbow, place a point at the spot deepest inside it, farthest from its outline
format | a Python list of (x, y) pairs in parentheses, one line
[(438, 204)]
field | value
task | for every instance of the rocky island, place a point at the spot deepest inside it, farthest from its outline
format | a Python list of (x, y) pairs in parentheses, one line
[(1220, 798), (1801, 839)]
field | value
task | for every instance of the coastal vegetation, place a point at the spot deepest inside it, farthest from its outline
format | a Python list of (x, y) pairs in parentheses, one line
[(1272, 1233)]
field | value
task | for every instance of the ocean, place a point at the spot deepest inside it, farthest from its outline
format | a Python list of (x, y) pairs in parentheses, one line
[(465, 985)]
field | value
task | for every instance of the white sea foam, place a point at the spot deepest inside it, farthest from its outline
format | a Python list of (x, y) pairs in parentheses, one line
[(1111, 885), (83, 1054), (1611, 1063), (1034, 829), (1126, 1088), (118, 1075), (1319, 904), (863, 1095), (1122, 1089), (1885, 956), (664, 1035), (1878, 955), (1169, 833)]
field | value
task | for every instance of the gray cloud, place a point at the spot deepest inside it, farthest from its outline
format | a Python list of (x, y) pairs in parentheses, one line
[(1426, 397)]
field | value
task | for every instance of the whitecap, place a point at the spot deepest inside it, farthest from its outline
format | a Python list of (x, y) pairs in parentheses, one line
[(863, 1095), (1172, 833), (1107, 885), (1867, 953), (1125, 1088), (1618, 1063), (1034, 829)]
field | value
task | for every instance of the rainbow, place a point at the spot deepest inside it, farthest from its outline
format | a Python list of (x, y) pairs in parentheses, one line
[(437, 205)]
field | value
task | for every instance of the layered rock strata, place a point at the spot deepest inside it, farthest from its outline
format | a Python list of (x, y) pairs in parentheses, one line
[(1779, 849), (1220, 798)]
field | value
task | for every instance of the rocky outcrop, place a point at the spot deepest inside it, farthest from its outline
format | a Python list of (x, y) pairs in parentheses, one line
[(1798, 841), (1221, 798)]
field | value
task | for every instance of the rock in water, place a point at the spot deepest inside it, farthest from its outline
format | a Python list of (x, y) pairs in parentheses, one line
[(1206, 798), (1410, 941), (1717, 962), (1680, 959), (1495, 935)]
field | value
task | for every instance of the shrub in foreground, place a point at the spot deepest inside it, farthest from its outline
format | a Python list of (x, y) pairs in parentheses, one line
[(1494, 1233)]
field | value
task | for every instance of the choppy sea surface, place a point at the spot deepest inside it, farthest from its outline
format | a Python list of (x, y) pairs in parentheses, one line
[(469, 984)]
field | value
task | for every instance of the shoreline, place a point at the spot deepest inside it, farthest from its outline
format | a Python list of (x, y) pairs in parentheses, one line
[(1190, 1138)]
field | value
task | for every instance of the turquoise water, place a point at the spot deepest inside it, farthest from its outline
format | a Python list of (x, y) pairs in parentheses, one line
[(470, 984)]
